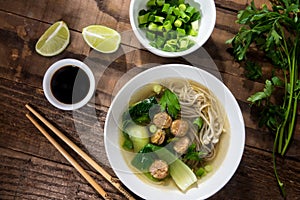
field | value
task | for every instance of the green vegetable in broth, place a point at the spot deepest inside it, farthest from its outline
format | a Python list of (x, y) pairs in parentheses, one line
[(145, 157), (198, 122), (182, 175), (169, 102), (192, 154), (138, 135), (139, 113), (169, 134)]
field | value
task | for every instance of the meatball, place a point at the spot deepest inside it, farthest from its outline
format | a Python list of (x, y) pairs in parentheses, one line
[(159, 169), (162, 120), (179, 127), (158, 137), (181, 145)]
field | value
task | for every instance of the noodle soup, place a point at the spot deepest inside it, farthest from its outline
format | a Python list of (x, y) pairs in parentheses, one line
[(186, 120)]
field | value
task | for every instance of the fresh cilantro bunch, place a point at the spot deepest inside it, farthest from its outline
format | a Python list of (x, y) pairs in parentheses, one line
[(275, 32)]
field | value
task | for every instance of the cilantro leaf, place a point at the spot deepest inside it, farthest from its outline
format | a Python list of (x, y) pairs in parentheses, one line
[(267, 92), (269, 87), (193, 154), (253, 70), (169, 102)]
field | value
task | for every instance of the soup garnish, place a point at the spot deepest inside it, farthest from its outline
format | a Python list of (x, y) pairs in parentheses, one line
[(174, 130)]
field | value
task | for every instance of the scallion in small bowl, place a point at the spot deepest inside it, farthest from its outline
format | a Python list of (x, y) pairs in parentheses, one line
[(172, 28)]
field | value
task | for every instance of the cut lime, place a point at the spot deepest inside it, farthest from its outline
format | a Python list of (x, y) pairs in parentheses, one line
[(55, 39), (101, 38)]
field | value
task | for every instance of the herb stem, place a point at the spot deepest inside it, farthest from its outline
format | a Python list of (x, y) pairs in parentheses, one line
[(280, 184), (289, 90), (294, 76)]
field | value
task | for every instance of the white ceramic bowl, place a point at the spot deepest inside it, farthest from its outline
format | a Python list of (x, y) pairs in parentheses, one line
[(49, 75), (207, 24), (206, 187)]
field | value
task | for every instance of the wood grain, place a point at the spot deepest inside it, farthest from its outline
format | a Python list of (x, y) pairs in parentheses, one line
[(32, 169)]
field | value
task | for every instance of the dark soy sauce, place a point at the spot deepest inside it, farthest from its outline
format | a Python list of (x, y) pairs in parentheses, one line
[(70, 84)]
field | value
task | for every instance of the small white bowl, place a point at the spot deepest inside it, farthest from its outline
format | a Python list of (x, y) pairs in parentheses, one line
[(225, 168), (207, 23), (48, 78)]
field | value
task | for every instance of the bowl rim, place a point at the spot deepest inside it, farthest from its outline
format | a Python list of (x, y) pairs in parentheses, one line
[(221, 176), (166, 54)]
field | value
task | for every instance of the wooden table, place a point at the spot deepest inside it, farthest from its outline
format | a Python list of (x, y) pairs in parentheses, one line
[(31, 168)]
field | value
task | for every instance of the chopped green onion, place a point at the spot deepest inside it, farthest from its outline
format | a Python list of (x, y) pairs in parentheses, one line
[(160, 41), (153, 44), (200, 172), (208, 168), (151, 18), (180, 2), (182, 7), (151, 36), (171, 18), (167, 25), (181, 32), (168, 20), (191, 43), (196, 16), (172, 35), (169, 48), (176, 11), (172, 42), (152, 26), (170, 11), (184, 43), (160, 2), (182, 14), (194, 28), (190, 10), (198, 122), (152, 128), (159, 19), (143, 19), (160, 28), (165, 8), (151, 3), (178, 23), (185, 19)]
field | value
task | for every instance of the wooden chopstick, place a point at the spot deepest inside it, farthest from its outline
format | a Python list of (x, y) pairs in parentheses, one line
[(71, 160), (115, 182)]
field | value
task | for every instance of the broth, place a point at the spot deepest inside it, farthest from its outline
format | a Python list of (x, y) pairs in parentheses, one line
[(221, 147)]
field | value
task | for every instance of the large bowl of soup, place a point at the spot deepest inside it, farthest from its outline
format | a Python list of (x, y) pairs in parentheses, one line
[(174, 132)]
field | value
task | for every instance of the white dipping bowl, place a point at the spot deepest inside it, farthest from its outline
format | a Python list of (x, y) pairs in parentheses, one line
[(230, 158), (207, 23), (48, 78)]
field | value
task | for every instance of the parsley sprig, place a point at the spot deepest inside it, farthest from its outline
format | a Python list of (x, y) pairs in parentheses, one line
[(276, 33), (169, 102)]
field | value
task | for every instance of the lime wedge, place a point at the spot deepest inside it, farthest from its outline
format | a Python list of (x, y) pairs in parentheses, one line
[(101, 38), (54, 40)]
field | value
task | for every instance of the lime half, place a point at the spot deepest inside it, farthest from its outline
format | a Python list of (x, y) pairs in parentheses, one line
[(55, 39), (101, 38)]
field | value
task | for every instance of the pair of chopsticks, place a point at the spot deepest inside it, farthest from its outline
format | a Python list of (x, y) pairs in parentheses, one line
[(71, 160)]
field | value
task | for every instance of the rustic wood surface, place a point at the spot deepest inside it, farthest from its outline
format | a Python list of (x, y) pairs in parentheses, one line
[(31, 168)]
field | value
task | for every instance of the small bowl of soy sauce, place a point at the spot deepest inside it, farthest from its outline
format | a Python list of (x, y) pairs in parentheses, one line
[(69, 84)]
